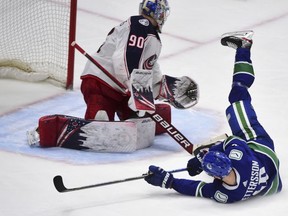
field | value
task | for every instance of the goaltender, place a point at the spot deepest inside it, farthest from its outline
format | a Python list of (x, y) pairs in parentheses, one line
[(129, 47)]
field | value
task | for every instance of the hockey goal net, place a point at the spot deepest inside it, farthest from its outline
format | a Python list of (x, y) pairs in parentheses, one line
[(35, 40)]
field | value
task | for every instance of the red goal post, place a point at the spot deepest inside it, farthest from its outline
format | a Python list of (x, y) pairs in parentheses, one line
[(36, 37)]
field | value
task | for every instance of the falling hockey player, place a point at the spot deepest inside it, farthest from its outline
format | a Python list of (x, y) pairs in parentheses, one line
[(129, 56), (245, 164)]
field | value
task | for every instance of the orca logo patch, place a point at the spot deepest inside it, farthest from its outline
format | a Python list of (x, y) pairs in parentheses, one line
[(235, 154)]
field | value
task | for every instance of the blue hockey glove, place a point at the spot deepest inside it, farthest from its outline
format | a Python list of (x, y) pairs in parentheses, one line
[(159, 177), (194, 166)]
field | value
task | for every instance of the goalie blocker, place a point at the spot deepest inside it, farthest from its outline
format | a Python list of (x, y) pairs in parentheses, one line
[(100, 136)]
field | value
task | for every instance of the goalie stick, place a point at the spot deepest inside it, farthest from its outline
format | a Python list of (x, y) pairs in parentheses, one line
[(119, 84), (171, 130), (60, 187)]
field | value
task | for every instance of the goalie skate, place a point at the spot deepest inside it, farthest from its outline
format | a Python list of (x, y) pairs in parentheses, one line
[(33, 137), (238, 39)]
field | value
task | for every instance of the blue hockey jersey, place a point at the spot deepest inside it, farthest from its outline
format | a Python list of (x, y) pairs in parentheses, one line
[(253, 160), (250, 149)]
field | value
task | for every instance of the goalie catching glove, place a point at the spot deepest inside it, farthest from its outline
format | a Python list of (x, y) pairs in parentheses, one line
[(180, 92)]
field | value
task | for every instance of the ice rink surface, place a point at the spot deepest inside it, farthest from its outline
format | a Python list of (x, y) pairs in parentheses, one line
[(191, 46)]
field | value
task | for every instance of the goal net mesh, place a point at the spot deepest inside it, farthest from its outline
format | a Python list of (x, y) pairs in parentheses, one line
[(35, 41)]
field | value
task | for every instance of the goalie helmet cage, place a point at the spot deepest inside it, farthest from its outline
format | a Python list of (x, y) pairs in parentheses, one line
[(36, 37)]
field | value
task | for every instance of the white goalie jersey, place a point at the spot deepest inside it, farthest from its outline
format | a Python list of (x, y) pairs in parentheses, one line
[(134, 44)]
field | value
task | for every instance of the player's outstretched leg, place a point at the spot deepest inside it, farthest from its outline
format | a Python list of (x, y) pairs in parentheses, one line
[(243, 74), (238, 39)]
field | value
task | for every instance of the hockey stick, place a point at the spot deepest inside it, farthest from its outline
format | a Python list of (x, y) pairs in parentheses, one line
[(60, 187), (170, 129), (198, 147), (119, 84)]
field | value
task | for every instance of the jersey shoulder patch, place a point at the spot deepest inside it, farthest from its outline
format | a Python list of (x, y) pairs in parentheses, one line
[(236, 154), (144, 22), (139, 25)]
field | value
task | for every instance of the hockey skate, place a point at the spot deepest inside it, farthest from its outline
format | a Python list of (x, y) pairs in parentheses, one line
[(101, 115), (238, 39), (33, 137)]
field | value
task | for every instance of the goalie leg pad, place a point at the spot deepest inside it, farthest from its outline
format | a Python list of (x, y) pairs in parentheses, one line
[(100, 136), (49, 128)]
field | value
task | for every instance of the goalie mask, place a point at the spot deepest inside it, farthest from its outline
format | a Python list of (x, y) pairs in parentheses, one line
[(157, 9), (217, 164)]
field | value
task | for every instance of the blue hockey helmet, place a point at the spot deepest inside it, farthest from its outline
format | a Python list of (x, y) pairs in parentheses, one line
[(217, 164), (157, 9)]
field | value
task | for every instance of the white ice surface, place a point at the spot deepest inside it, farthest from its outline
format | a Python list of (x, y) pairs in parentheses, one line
[(190, 47)]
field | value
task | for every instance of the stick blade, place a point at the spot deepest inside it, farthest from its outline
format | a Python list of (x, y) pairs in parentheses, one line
[(58, 183)]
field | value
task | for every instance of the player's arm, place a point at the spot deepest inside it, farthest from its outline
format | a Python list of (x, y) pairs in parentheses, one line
[(188, 187), (196, 188), (161, 178)]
